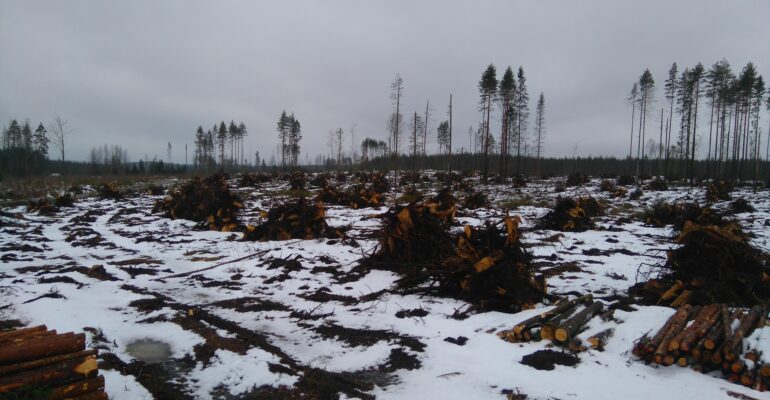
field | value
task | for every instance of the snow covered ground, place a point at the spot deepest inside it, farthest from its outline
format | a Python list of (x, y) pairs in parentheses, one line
[(295, 317)]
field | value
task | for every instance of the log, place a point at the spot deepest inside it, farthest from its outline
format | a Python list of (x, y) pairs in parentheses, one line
[(737, 366), (42, 347), (714, 335), (744, 329), (599, 340), (32, 335), (678, 320), (764, 370), (559, 308), (569, 328), (4, 336), (28, 365), (61, 373), (682, 361), (91, 396), (655, 342), (78, 388), (696, 332), (747, 379), (548, 328), (674, 343)]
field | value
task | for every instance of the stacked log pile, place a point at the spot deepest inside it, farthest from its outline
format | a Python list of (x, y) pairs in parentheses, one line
[(209, 201), (42, 364), (711, 338), (561, 325)]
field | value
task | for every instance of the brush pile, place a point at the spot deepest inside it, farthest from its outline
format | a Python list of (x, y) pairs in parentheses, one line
[(36, 363), (656, 185), (718, 190), (109, 190), (376, 181), (474, 200), (711, 338), (321, 180), (741, 205), (571, 215), (43, 205), (615, 191), (299, 220), (561, 325), (713, 265), (443, 204), (577, 179), (626, 180), (253, 180), (487, 267), (208, 201), (356, 197), (662, 214), (297, 180), (412, 178)]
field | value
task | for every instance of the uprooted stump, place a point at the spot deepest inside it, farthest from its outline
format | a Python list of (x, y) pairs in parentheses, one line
[(208, 201), (713, 265), (298, 220), (571, 215)]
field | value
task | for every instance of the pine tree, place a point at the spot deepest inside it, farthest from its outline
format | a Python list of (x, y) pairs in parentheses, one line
[(222, 141), (295, 135), (506, 94), (540, 129), (283, 128), (670, 87), (242, 132), (522, 114), (41, 141), (646, 87), (633, 98), (487, 91)]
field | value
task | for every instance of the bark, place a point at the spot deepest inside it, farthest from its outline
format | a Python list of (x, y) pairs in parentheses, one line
[(560, 307), (678, 321), (25, 366), (599, 340), (747, 323), (548, 328), (42, 347), (5, 336), (569, 328), (72, 390), (64, 372), (709, 317), (714, 335), (675, 342)]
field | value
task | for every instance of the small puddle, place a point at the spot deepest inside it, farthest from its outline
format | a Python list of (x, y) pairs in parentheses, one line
[(149, 350)]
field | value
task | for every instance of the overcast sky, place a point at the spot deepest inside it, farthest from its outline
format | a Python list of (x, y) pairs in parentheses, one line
[(143, 73)]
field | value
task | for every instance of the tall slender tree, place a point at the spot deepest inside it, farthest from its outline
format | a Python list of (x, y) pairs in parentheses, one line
[(646, 95), (670, 92), (633, 99), (522, 115), (540, 129), (506, 95), (487, 91)]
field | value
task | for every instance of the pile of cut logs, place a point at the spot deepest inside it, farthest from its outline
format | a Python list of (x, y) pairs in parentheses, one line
[(41, 364), (710, 338), (562, 324)]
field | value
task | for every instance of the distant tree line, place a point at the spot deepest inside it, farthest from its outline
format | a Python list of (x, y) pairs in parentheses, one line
[(221, 142), (733, 147)]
